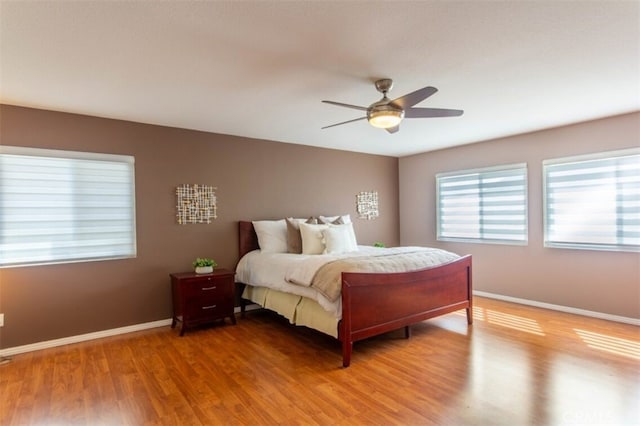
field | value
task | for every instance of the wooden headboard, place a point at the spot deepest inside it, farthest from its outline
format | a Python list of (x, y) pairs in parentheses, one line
[(248, 238)]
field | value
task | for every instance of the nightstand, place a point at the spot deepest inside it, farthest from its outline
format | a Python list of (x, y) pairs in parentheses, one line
[(202, 298)]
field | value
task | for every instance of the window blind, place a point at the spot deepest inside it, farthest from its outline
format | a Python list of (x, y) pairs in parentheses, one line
[(593, 202), (483, 205), (64, 206)]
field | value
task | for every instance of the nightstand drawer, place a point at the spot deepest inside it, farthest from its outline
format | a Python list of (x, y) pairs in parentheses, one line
[(208, 300), (206, 287), (206, 309)]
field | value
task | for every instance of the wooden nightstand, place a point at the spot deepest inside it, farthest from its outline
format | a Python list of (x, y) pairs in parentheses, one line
[(202, 298)]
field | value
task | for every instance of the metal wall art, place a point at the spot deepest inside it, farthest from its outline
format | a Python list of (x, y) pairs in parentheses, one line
[(367, 205), (196, 204)]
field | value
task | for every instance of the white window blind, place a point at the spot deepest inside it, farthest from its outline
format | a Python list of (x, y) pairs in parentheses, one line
[(483, 205), (64, 206), (593, 202)]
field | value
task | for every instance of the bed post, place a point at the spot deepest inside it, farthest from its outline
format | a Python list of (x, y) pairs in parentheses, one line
[(247, 241), (345, 325), (347, 348), (469, 309)]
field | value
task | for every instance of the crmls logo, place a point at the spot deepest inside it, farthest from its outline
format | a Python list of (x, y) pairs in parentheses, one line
[(583, 417)]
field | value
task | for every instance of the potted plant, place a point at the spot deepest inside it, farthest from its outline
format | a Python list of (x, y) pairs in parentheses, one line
[(204, 265)]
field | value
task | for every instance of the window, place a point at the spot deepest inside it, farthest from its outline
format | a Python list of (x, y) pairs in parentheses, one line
[(64, 206), (483, 205), (593, 201)]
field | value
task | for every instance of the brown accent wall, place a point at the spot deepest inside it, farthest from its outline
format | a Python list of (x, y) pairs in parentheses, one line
[(600, 281), (256, 179)]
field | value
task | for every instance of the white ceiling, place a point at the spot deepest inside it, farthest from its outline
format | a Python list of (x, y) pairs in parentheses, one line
[(260, 68)]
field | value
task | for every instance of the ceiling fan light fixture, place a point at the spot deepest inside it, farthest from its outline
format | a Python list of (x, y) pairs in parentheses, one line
[(385, 118), (387, 114)]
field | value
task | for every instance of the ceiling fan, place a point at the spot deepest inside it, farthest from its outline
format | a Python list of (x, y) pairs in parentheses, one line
[(387, 114)]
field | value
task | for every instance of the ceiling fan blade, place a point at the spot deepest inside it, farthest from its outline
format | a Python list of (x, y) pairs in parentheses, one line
[(411, 99), (393, 129), (431, 112), (345, 122), (361, 108)]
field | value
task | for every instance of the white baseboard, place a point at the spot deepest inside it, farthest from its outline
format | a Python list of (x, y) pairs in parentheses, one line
[(83, 337), (576, 311), (91, 336)]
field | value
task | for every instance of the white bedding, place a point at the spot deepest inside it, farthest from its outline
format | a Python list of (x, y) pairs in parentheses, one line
[(293, 273), (271, 270)]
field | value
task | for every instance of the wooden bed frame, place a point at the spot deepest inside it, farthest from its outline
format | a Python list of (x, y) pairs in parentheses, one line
[(375, 303)]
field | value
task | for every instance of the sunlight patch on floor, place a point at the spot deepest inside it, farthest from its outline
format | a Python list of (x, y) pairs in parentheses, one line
[(610, 344), (478, 314), (515, 322), (505, 320)]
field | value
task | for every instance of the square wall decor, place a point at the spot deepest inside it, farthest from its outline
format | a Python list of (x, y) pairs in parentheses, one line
[(367, 205), (196, 204)]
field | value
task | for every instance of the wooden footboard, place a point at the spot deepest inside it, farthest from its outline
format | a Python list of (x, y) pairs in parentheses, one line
[(375, 303)]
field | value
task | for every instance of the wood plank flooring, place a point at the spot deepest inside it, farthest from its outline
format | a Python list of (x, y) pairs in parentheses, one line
[(516, 365)]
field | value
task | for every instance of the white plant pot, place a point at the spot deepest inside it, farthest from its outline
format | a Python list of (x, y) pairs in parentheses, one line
[(204, 269)]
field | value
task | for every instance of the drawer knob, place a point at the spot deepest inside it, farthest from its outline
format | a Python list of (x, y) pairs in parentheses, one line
[(209, 307), (209, 288)]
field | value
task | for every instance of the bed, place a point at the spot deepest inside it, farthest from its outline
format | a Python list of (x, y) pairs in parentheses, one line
[(369, 303)]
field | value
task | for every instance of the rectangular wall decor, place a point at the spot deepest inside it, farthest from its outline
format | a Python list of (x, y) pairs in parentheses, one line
[(196, 204), (367, 205)]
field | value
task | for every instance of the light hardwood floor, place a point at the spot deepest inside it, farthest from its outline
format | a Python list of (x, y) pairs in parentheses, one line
[(515, 365)]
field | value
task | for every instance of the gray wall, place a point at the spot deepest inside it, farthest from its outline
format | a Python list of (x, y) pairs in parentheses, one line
[(256, 179), (607, 282)]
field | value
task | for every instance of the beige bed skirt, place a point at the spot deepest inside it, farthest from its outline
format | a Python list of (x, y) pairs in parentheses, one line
[(297, 309)]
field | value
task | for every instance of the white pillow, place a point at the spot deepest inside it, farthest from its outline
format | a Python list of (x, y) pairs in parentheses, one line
[(352, 236), (272, 235), (339, 239), (312, 238), (330, 219)]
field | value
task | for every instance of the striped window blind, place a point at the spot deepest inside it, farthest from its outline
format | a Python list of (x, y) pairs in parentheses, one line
[(64, 206), (483, 205), (593, 201)]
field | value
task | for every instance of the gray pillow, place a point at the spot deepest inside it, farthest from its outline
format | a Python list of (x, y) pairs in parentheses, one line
[(294, 238), (327, 221)]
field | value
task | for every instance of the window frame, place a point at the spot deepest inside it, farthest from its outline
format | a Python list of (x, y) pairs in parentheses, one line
[(127, 165), (484, 170)]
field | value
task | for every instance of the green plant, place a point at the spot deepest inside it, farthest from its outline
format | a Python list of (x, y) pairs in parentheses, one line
[(378, 244), (203, 261)]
